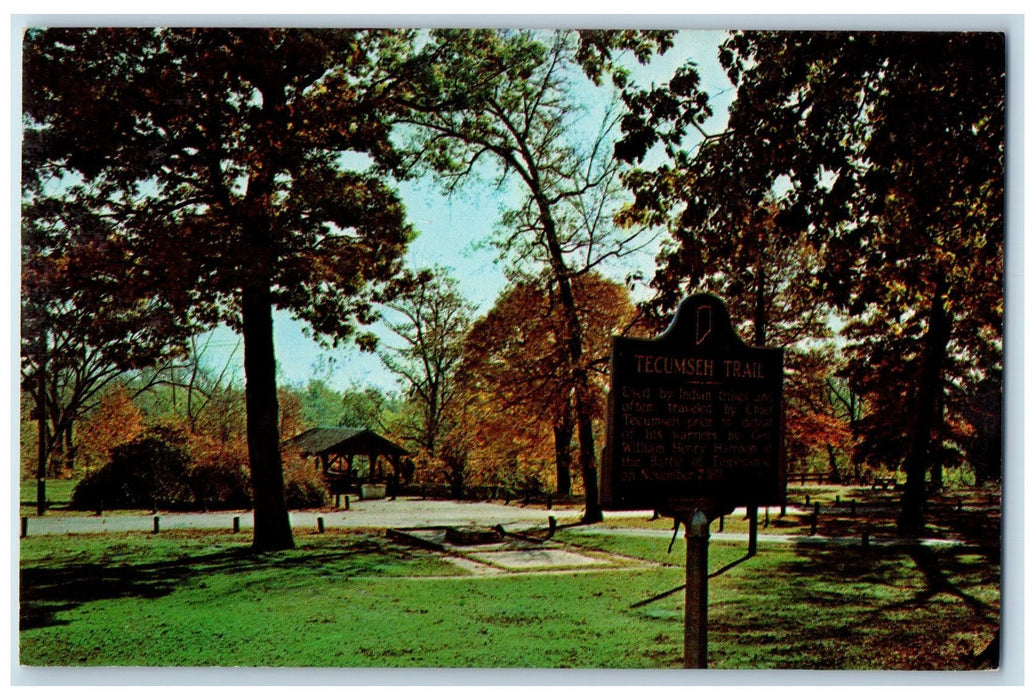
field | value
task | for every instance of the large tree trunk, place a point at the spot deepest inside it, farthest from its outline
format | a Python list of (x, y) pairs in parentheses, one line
[(588, 457), (985, 452), (272, 525), (563, 431), (936, 342), (573, 345)]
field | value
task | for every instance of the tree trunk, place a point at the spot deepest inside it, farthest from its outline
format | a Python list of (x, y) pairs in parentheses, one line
[(911, 516), (563, 432), (985, 452), (573, 345), (853, 430), (588, 463), (835, 472), (69, 449), (937, 477), (41, 427), (760, 340), (272, 525)]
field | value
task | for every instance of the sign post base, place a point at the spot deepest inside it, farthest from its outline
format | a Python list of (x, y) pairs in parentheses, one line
[(695, 630), (696, 515)]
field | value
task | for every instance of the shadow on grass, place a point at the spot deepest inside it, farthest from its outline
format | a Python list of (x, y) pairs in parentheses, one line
[(886, 566), (972, 520), (871, 598), (937, 568), (49, 589)]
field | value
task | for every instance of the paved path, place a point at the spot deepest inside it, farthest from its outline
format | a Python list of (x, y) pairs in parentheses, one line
[(401, 513), (379, 513), (742, 537)]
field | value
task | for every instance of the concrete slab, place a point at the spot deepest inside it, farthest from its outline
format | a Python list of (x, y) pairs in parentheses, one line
[(512, 554), (538, 558), (475, 568)]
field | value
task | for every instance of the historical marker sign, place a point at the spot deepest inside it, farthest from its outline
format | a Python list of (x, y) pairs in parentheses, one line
[(694, 416)]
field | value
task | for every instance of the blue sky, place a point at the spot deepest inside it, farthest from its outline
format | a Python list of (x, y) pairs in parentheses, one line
[(449, 229)]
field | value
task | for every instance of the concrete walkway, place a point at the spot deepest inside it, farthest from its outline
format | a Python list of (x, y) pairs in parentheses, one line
[(742, 537), (377, 513), (410, 512)]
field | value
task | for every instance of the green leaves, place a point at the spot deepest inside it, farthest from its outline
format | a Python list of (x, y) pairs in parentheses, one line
[(662, 115), (879, 155), (190, 134)]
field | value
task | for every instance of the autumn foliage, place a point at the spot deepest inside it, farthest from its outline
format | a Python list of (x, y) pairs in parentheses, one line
[(519, 408), (115, 422)]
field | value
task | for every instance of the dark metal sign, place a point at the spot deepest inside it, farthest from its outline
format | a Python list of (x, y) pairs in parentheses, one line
[(694, 415)]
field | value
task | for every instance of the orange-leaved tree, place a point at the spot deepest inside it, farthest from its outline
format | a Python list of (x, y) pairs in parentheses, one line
[(514, 363), (114, 422)]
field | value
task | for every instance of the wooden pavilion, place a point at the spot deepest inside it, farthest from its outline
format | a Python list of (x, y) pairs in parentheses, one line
[(336, 449)]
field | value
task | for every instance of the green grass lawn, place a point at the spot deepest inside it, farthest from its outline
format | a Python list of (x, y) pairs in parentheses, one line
[(357, 600), (59, 494)]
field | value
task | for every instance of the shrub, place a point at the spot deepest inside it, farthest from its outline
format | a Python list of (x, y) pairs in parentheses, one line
[(221, 484), (147, 472), (158, 471), (305, 492), (304, 485)]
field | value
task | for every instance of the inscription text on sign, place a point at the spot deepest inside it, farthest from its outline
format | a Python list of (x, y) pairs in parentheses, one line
[(694, 415)]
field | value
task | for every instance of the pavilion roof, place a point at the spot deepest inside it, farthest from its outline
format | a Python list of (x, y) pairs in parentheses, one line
[(344, 441)]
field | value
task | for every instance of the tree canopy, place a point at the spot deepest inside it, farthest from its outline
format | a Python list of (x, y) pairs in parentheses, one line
[(431, 322), (234, 165), (885, 151), (850, 209), (508, 100), (512, 355)]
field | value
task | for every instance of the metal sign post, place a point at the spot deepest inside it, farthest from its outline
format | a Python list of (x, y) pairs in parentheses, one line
[(695, 616)]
